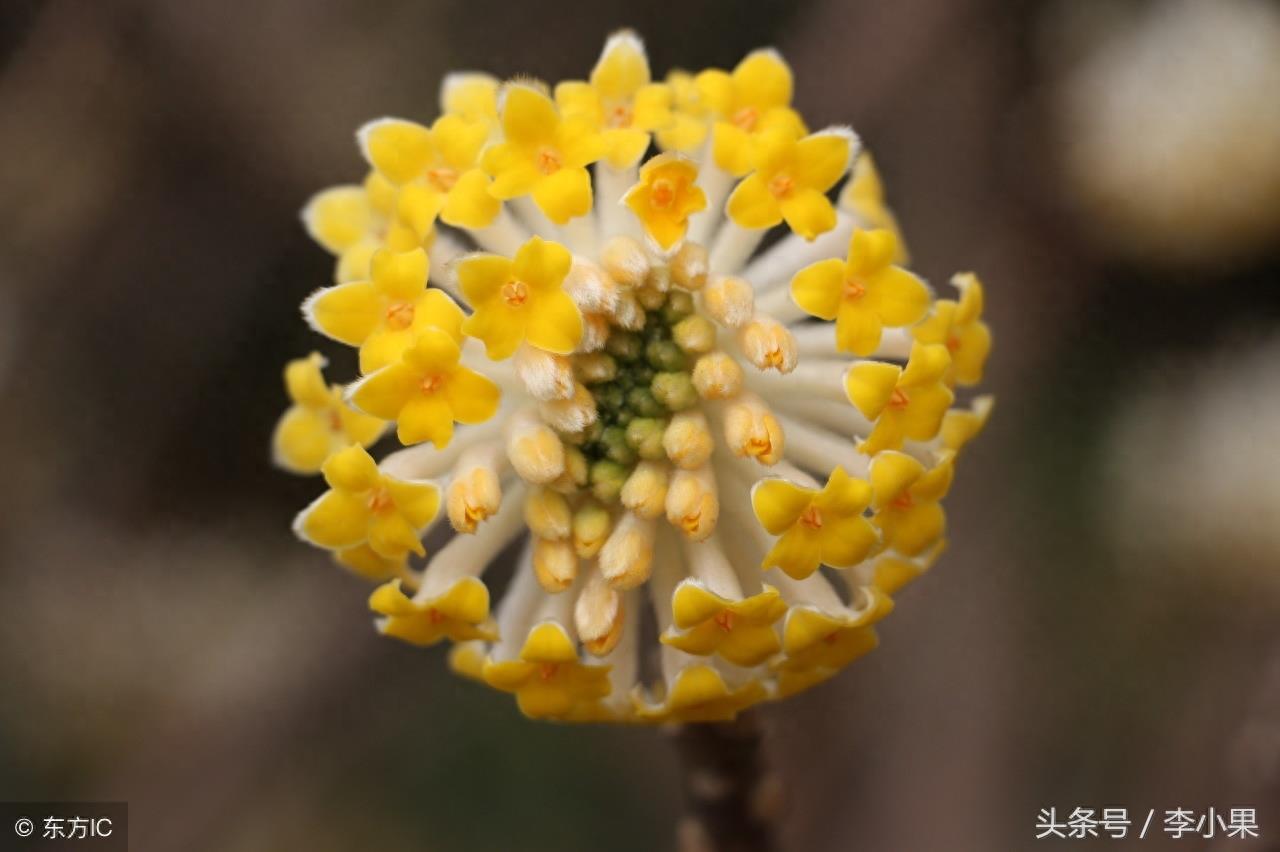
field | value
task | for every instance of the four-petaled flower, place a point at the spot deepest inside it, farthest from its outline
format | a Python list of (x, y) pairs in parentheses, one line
[(548, 678), (436, 169), (790, 180), (365, 505), (384, 315), (741, 631), (543, 154), (818, 644), (863, 293), (621, 100), (352, 222), (460, 613), (666, 197), (427, 390), (905, 497), (863, 195), (959, 327), (753, 100), (521, 299), (904, 403), (319, 423), (815, 527)]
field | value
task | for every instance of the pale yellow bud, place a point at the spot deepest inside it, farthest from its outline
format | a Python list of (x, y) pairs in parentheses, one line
[(554, 564), (547, 514), (545, 375), (573, 414), (535, 450), (472, 497), (768, 344), (689, 267), (625, 260), (729, 301), (694, 334), (645, 491), (693, 506), (750, 429), (688, 440), (717, 376), (591, 525), (590, 287), (598, 615), (626, 559)]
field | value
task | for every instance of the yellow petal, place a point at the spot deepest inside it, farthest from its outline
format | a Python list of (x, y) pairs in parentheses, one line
[(816, 289), (871, 251), (434, 353), (362, 560), (542, 264), (351, 469), (425, 418), (302, 440), (473, 397), (390, 535), (823, 158), (858, 327), (579, 99), (400, 275), (808, 213), (481, 276), (763, 80), (622, 68), (847, 541), (385, 392), (869, 385), (798, 552), (348, 312), (470, 95), (338, 519), (528, 116), (564, 194), (501, 329), (548, 643), (555, 324), (731, 148), (752, 205), (400, 150), (778, 503), (625, 146), (899, 297), (338, 218), (384, 346), (892, 474)]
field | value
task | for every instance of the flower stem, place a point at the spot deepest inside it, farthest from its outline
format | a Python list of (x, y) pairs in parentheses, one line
[(731, 798)]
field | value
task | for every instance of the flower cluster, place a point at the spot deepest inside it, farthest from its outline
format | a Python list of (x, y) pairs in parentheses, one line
[(719, 462)]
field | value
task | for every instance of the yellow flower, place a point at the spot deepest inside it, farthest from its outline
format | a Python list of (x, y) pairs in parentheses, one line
[(863, 293), (790, 180), (891, 571), (549, 679), (741, 631), (383, 316), (436, 169), (700, 694), (620, 100), (904, 403), (319, 423), (365, 505), (906, 500), (752, 101), (460, 613), (814, 527), (665, 197), (353, 222), (959, 426), (690, 115), (427, 390), (543, 154), (863, 195), (521, 299), (959, 327), (363, 561)]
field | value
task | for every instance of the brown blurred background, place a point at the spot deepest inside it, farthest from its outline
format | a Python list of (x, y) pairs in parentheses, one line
[(1103, 631)]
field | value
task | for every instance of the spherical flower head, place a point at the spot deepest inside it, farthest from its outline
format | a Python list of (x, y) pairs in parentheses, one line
[(366, 506), (544, 154), (427, 391), (789, 180), (319, 422), (521, 299), (680, 424), (621, 101), (665, 197), (815, 527)]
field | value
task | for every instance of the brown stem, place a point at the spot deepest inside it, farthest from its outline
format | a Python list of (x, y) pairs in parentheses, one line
[(731, 799)]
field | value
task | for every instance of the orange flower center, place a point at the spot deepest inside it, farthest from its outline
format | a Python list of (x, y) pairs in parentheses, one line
[(746, 118), (690, 521), (953, 343), (811, 517), (380, 501), (515, 292), (400, 316), (854, 289), (663, 194), (831, 638), (434, 616), (619, 116), (903, 501), (546, 671), (760, 445), (432, 383), (335, 421), (781, 185), (724, 620), (442, 178), (548, 161), (899, 399)]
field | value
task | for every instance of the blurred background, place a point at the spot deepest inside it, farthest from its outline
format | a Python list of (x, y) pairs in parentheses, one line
[(1104, 630)]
